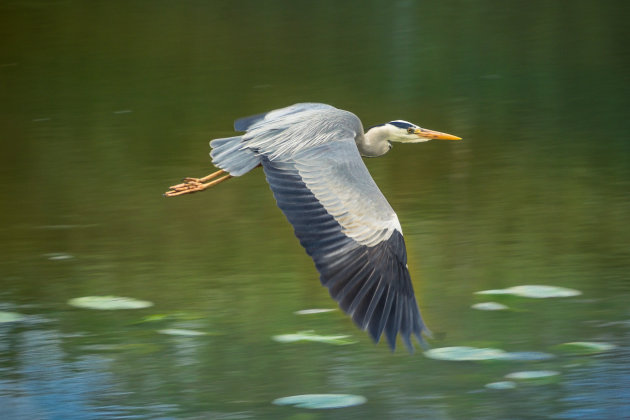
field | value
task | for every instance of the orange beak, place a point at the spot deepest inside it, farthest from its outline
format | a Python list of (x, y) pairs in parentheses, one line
[(430, 134)]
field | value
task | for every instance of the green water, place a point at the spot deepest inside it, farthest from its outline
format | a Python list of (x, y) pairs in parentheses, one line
[(105, 104)]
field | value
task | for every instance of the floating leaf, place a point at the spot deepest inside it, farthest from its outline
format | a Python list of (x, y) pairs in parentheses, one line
[(109, 303), (182, 332), (463, 353), (494, 292), (312, 311), (501, 385), (489, 306), (533, 291), (585, 347), (310, 336), (534, 376), (316, 401), (528, 356), (11, 317)]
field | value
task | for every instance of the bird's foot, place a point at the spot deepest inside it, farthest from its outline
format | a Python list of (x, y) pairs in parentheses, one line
[(191, 185)]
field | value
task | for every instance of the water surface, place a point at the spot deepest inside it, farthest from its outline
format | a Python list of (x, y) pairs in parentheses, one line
[(104, 104)]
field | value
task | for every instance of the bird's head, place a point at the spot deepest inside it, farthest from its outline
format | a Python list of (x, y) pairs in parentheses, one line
[(378, 139), (406, 132)]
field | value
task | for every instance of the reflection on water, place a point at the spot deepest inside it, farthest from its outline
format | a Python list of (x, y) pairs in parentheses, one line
[(44, 384), (106, 104)]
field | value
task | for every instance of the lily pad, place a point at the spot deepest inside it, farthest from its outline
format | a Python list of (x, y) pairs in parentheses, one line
[(585, 347), (313, 311), (463, 353), (319, 401), (339, 340), (533, 291), (11, 317), (109, 303), (536, 377), (182, 332), (490, 306), (501, 385), (528, 356)]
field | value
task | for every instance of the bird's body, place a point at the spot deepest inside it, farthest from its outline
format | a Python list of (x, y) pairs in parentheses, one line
[(311, 156)]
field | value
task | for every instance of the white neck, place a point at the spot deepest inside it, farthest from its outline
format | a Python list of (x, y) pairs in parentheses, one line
[(374, 143)]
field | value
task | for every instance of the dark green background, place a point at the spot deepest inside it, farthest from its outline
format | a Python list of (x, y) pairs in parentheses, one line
[(103, 104)]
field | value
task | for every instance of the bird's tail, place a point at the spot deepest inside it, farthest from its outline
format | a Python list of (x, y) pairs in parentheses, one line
[(230, 155)]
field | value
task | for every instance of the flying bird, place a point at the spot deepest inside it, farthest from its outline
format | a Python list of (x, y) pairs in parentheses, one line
[(311, 156)]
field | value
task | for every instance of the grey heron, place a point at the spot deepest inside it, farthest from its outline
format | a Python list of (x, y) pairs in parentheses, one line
[(311, 156)]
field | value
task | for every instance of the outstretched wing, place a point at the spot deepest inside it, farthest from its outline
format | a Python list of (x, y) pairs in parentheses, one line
[(246, 123), (349, 229)]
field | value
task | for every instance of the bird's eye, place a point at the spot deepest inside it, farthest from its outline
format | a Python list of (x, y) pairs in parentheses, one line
[(410, 130)]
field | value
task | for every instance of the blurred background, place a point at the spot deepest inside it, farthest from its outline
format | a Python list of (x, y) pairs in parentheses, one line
[(104, 104)]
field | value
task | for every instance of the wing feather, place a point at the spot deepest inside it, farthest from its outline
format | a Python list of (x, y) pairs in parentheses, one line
[(374, 301), (383, 316), (348, 228)]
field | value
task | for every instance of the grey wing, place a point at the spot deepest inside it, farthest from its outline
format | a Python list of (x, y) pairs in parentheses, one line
[(245, 123), (233, 155), (349, 229)]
